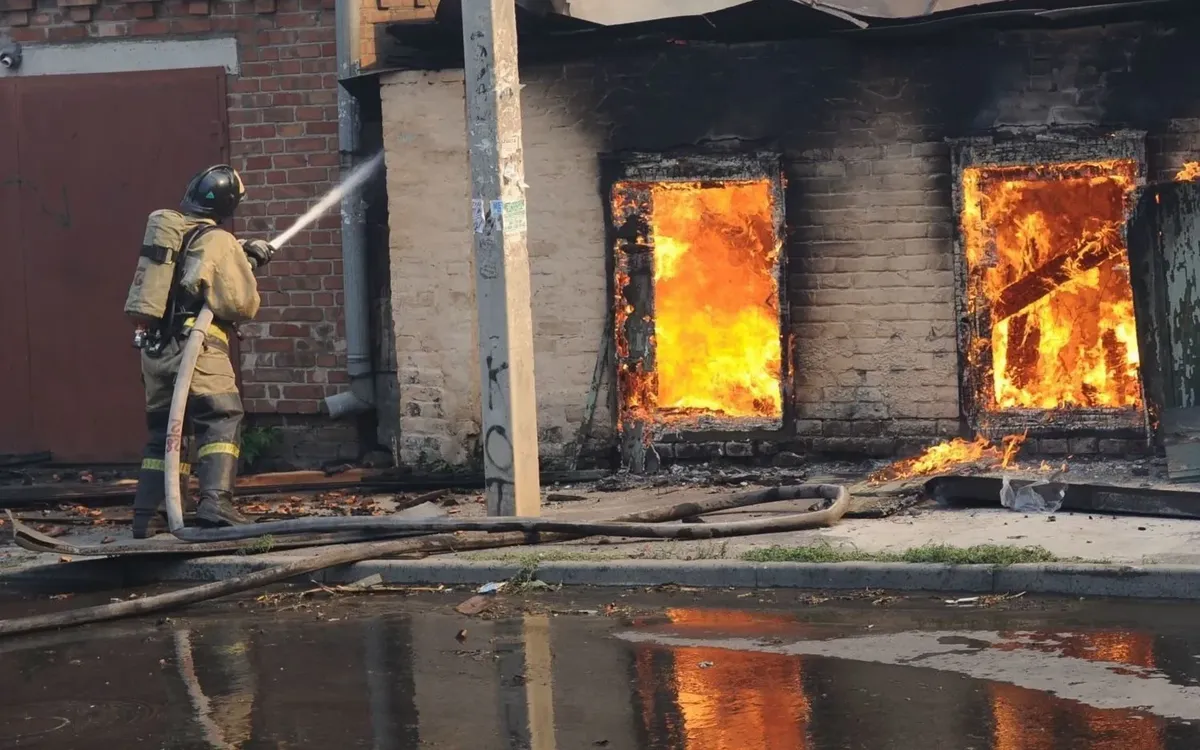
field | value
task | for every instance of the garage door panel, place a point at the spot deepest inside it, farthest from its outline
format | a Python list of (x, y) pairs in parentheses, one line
[(99, 153), (16, 426)]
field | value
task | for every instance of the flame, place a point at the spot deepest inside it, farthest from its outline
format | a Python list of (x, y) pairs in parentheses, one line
[(717, 345), (1047, 264), (957, 451), (1189, 172)]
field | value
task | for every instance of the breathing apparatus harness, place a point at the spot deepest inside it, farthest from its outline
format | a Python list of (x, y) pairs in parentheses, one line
[(153, 338)]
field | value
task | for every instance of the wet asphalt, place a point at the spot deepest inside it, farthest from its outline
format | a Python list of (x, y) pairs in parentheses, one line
[(673, 670)]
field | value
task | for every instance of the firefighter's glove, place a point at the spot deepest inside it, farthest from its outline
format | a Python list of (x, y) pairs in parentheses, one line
[(259, 252)]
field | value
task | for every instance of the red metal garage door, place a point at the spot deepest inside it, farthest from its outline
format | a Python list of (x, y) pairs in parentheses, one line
[(16, 414), (93, 155)]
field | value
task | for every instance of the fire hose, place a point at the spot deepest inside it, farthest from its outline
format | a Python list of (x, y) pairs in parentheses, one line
[(179, 399), (838, 499)]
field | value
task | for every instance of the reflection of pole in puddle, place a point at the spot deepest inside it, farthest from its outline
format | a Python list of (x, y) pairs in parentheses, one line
[(379, 689), (526, 682), (225, 726), (391, 687), (539, 682)]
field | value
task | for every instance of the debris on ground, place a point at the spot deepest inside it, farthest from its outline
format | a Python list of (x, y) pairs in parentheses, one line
[(1036, 497), (965, 601), (475, 605)]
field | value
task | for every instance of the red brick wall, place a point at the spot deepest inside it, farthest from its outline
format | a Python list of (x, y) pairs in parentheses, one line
[(376, 14), (283, 139)]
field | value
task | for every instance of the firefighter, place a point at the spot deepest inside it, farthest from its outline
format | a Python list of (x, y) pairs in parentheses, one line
[(206, 265)]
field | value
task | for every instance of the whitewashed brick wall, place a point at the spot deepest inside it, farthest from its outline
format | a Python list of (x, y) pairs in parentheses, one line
[(433, 276)]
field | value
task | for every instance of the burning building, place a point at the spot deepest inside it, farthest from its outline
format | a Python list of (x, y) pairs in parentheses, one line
[(1047, 330), (777, 228)]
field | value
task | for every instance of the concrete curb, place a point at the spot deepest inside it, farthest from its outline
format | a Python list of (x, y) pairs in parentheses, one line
[(1123, 581), (1150, 581)]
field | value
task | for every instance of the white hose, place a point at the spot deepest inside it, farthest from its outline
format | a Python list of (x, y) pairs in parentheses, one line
[(183, 385)]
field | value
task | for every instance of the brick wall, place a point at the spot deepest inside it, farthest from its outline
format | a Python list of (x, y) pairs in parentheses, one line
[(862, 126), (283, 140), (374, 16)]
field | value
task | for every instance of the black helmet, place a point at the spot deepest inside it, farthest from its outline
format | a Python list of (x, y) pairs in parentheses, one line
[(214, 193)]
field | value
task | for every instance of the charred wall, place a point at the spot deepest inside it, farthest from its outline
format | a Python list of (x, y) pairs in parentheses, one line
[(862, 125)]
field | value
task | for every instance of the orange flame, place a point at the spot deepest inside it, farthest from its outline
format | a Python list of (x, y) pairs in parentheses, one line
[(1189, 172), (957, 451), (717, 346), (1047, 262)]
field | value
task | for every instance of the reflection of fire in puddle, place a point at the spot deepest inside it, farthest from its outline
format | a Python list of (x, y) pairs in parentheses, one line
[(1110, 674), (1044, 690), (1025, 719), (1117, 647), (1031, 720)]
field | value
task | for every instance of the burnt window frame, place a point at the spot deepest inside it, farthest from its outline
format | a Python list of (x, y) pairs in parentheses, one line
[(1023, 148), (637, 437)]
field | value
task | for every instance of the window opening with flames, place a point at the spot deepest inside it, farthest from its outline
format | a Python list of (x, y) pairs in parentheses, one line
[(1047, 286), (709, 272)]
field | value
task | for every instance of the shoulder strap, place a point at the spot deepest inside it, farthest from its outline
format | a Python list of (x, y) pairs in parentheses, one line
[(185, 249)]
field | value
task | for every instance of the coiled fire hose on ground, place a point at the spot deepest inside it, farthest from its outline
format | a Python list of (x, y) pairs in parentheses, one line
[(836, 497)]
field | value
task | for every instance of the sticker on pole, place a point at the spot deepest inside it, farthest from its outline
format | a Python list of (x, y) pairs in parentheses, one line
[(514, 217), (478, 217), (496, 216)]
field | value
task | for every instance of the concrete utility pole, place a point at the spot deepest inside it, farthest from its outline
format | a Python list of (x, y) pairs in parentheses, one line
[(510, 440)]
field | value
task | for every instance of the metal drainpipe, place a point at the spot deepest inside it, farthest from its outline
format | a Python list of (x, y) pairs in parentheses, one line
[(361, 395)]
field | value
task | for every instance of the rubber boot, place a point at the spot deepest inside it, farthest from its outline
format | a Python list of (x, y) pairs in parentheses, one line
[(216, 473), (216, 509), (147, 505), (150, 504)]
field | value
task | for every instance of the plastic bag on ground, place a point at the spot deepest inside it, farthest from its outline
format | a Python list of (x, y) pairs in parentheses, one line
[(1037, 497)]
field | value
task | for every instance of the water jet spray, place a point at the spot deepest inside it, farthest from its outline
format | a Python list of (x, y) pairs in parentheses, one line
[(195, 341)]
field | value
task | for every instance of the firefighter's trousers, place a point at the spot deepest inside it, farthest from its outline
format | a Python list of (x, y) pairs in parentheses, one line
[(212, 427)]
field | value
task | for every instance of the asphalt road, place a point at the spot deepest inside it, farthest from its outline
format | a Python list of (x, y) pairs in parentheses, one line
[(673, 670)]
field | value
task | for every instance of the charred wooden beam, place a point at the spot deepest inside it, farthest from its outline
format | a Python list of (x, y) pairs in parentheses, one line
[(1092, 252)]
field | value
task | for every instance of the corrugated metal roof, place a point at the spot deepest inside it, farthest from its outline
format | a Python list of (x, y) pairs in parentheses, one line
[(861, 12), (903, 9)]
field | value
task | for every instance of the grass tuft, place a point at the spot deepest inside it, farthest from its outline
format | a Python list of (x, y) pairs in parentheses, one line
[(261, 546), (980, 554)]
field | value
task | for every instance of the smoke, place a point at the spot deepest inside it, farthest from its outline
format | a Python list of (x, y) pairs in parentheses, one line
[(356, 178)]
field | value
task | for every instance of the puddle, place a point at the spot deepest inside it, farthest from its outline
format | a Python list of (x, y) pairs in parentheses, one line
[(707, 677)]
